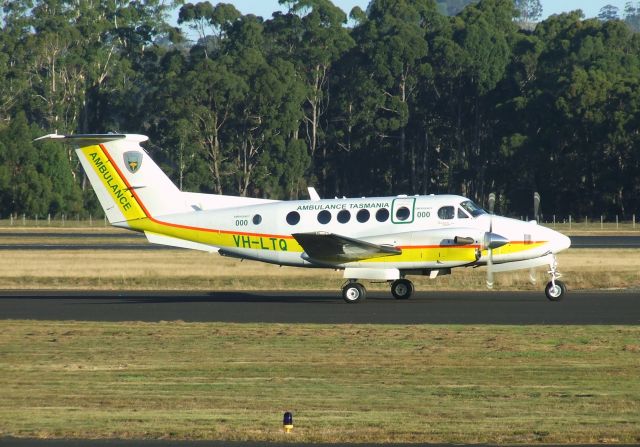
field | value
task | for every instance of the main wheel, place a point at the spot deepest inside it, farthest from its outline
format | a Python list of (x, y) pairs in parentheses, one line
[(402, 289), (555, 292), (354, 292)]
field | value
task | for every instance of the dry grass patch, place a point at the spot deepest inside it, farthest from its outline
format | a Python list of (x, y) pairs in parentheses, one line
[(183, 269)]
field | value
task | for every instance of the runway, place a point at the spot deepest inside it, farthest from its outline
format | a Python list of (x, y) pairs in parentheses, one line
[(486, 307)]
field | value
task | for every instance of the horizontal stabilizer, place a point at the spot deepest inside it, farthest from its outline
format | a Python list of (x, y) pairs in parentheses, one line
[(335, 249), (82, 140), (161, 239)]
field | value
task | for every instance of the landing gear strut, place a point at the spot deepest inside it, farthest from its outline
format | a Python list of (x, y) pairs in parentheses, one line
[(402, 289), (555, 289)]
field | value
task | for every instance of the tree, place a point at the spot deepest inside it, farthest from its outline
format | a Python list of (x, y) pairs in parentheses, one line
[(315, 38), (608, 12), (632, 15), (528, 12), (35, 181)]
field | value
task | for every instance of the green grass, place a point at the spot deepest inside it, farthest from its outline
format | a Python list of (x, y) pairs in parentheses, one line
[(357, 383)]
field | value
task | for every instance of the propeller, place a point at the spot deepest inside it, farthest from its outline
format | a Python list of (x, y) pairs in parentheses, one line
[(536, 205), (487, 241), (536, 209), (492, 202)]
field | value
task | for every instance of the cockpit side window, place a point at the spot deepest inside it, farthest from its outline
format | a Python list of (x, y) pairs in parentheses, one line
[(462, 214), (446, 212), (472, 208)]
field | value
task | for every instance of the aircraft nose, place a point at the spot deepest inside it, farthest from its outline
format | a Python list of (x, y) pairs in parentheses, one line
[(560, 242)]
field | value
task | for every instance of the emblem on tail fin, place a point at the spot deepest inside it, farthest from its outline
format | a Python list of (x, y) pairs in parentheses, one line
[(133, 161)]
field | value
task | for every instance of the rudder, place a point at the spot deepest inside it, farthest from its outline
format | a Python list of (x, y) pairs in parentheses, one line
[(127, 182)]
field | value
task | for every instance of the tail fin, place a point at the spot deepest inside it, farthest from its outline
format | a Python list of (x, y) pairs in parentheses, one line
[(128, 183)]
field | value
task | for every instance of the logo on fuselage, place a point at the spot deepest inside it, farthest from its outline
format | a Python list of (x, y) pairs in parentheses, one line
[(133, 161)]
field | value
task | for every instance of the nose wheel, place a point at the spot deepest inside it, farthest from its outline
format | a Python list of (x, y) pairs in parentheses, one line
[(555, 289)]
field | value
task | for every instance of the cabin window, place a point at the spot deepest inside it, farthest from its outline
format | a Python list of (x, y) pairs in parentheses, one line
[(324, 217), (446, 212), (344, 216), (257, 219), (462, 214), (382, 215), (363, 216), (403, 213), (293, 218)]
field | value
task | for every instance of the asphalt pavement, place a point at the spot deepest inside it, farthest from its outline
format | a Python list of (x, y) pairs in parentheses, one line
[(481, 307)]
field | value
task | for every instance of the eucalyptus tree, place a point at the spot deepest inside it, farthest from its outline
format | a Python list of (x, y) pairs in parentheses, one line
[(390, 52), (267, 116), (313, 36), (580, 99), (34, 180), (528, 12), (632, 15), (469, 64), (609, 12)]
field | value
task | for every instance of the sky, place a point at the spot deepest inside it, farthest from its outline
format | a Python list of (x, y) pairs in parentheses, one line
[(590, 8)]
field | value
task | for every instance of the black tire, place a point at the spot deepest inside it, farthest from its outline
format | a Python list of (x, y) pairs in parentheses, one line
[(354, 293), (555, 293), (402, 289)]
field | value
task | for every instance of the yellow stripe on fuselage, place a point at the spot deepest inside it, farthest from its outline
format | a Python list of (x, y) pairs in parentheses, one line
[(139, 219)]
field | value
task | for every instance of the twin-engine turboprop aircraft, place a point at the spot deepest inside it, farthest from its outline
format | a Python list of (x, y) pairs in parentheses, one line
[(377, 238)]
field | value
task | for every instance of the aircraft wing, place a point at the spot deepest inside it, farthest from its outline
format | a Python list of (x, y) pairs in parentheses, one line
[(335, 249)]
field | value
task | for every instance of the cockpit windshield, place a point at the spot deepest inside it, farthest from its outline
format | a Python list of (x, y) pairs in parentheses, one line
[(472, 208)]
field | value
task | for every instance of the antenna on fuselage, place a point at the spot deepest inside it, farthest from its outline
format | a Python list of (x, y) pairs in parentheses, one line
[(313, 194)]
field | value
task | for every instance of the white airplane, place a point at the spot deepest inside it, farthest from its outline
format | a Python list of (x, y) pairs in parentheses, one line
[(374, 238)]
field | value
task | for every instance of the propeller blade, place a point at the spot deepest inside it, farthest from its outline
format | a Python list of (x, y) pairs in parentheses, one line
[(532, 276), (490, 269), (536, 205), (492, 202), (491, 241)]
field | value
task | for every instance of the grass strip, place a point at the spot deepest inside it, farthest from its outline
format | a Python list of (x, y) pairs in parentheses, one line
[(125, 269), (356, 383)]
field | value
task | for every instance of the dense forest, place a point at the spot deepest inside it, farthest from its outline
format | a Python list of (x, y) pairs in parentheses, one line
[(398, 99)]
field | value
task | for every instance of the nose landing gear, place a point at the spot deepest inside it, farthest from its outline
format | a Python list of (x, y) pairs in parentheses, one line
[(555, 289)]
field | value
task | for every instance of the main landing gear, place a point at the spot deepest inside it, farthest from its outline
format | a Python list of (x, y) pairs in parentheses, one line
[(555, 289), (354, 292)]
